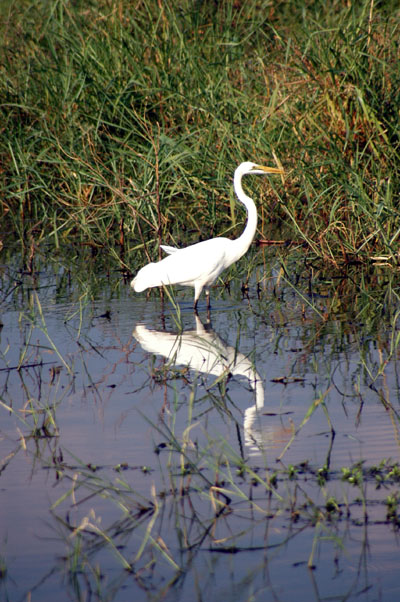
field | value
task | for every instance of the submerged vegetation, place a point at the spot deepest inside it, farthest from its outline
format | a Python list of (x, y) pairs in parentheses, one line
[(264, 485), (122, 123)]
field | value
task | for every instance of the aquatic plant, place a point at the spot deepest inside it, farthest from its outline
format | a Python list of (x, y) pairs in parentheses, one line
[(122, 126)]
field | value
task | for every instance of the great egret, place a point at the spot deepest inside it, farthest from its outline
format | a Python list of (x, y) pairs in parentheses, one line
[(199, 265), (203, 351)]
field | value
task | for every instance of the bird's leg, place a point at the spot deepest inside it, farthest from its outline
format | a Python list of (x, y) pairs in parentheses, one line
[(197, 292), (208, 305)]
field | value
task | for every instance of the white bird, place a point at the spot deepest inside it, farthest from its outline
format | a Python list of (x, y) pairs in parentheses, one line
[(204, 352), (199, 265)]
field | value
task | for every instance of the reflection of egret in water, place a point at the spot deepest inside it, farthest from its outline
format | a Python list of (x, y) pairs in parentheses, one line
[(203, 351)]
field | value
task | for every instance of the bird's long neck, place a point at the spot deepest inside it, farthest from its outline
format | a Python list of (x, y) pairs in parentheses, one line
[(246, 238)]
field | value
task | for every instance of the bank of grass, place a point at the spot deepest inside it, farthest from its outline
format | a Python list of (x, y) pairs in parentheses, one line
[(122, 123)]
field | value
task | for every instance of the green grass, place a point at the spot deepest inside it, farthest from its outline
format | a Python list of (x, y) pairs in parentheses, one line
[(121, 124), (120, 524)]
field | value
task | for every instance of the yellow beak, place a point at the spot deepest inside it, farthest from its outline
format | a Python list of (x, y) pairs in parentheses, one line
[(270, 169)]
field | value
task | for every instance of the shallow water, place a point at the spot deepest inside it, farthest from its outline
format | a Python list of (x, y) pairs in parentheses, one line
[(134, 432)]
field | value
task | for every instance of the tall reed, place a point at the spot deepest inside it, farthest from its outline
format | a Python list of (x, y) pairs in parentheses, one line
[(122, 124)]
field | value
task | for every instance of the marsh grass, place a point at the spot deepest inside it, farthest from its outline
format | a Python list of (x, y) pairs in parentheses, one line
[(122, 125), (204, 494), (225, 515)]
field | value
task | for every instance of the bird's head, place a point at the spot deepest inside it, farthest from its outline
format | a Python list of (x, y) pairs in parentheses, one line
[(253, 168)]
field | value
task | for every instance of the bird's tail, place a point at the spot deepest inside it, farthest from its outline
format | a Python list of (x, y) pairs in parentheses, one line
[(147, 277), (139, 284)]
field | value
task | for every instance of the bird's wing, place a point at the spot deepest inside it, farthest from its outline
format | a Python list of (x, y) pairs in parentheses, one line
[(201, 262), (169, 250)]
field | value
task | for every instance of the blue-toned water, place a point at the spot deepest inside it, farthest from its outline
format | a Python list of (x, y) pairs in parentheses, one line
[(125, 424)]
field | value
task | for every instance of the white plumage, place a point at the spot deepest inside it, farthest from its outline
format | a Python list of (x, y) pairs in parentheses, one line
[(199, 265)]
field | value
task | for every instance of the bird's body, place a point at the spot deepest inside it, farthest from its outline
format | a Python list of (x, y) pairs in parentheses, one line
[(199, 265)]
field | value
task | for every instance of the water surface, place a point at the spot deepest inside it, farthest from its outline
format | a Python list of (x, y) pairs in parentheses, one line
[(148, 453)]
